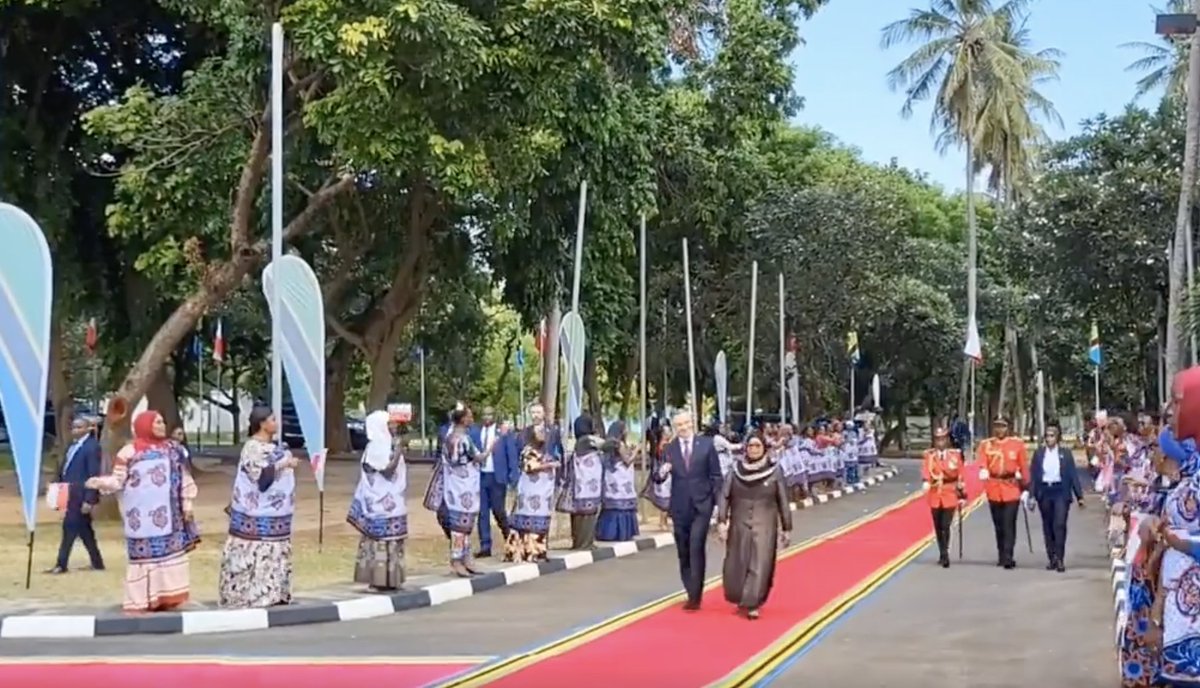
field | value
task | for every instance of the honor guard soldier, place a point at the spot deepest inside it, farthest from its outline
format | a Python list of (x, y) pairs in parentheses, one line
[(941, 469), (1004, 469)]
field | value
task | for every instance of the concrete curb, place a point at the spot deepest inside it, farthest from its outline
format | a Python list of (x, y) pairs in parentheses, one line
[(1119, 598), (355, 608)]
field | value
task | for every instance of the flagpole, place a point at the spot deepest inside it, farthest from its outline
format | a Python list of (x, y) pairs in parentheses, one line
[(642, 341), (200, 370), (851, 385), (579, 223), (782, 345), (276, 219), (1096, 381), (521, 388), (424, 441), (750, 358), (687, 295), (971, 410)]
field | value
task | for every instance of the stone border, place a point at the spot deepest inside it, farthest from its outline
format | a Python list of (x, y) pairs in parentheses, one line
[(355, 608)]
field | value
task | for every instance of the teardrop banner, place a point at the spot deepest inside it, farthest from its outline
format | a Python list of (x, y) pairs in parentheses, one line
[(573, 342), (302, 329), (721, 370), (26, 298)]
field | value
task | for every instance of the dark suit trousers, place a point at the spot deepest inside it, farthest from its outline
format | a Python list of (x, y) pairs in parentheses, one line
[(691, 536), (76, 524), (493, 493), (1055, 504), (942, 518), (1004, 520)]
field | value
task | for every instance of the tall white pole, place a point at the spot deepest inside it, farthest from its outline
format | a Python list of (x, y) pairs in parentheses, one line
[(971, 411), (578, 247), (852, 386), (276, 218), (424, 442), (782, 346), (521, 392), (1041, 404), (642, 340), (750, 357), (1096, 381), (203, 405), (687, 297)]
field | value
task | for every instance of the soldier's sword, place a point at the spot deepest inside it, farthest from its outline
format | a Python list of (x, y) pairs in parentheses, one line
[(960, 530), (1028, 537)]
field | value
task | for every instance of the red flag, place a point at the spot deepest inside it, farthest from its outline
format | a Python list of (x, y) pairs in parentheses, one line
[(219, 344), (540, 338), (91, 338)]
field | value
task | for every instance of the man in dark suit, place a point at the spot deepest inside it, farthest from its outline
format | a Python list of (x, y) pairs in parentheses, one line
[(1053, 484), (498, 471), (695, 471), (82, 461)]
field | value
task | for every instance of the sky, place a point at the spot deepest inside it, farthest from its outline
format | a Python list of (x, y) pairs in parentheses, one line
[(841, 72)]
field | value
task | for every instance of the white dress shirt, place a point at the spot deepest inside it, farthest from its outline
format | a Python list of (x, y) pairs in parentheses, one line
[(1051, 467), (486, 435)]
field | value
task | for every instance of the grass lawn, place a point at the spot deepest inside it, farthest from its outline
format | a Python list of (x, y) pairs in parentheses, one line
[(330, 567)]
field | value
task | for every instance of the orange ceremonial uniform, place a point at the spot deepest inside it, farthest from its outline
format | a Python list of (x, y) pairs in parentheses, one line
[(942, 470), (1007, 465)]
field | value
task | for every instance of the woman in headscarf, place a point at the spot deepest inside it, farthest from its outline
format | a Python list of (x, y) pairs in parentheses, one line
[(754, 506), (582, 480), (156, 494), (256, 563), (1175, 604), (659, 494), (378, 511), (529, 525), (618, 520), (454, 490)]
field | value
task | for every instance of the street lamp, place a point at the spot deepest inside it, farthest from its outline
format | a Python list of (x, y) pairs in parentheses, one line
[(1170, 26)]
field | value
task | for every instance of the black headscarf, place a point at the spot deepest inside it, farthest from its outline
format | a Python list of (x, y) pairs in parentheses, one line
[(584, 429)]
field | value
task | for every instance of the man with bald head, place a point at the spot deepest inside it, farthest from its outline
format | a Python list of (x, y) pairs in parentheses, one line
[(694, 467)]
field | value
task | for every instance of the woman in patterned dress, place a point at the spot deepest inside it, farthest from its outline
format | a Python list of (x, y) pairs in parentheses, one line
[(379, 511), (1176, 608), (529, 525), (582, 480), (256, 563), (454, 492), (659, 494), (156, 495), (618, 520)]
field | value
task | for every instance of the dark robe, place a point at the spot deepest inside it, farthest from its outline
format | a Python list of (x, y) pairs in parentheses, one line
[(755, 505)]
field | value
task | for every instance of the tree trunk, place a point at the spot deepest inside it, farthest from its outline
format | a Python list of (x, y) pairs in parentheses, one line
[(550, 362), (1183, 216), (591, 385), (382, 362), (337, 372), (60, 389), (1004, 374), (160, 396)]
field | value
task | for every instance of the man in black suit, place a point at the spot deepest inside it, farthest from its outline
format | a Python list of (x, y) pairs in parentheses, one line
[(1053, 484), (695, 471), (82, 461)]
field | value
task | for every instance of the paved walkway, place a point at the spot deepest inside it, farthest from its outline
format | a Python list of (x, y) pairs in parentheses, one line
[(976, 624), (499, 622)]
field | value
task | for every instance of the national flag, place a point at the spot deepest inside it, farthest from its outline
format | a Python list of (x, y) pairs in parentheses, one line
[(973, 349), (91, 338), (1094, 346), (852, 347), (219, 344), (520, 357), (539, 338)]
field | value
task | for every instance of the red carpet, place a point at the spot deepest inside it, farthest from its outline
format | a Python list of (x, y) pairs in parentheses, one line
[(210, 675), (716, 642)]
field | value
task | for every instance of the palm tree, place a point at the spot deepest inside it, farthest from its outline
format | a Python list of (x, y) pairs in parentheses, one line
[(974, 63), (1164, 63)]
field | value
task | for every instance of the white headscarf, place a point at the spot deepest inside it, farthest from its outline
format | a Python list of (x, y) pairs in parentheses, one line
[(378, 453)]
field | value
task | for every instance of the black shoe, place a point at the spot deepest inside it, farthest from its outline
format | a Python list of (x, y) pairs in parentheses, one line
[(1010, 565), (691, 606), (945, 563), (1052, 565), (483, 554), (1060, 568)]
